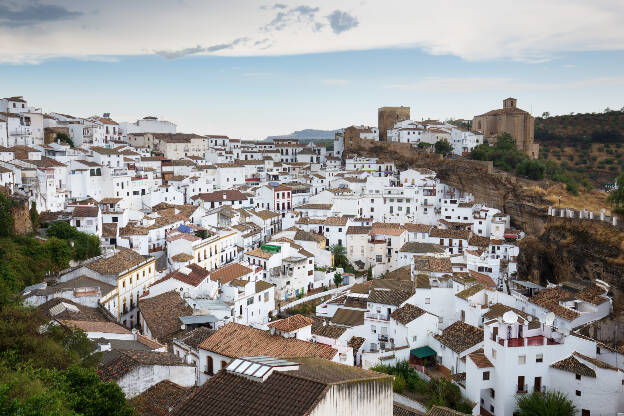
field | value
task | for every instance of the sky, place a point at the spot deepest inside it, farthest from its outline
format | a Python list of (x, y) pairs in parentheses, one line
[(248, 68)]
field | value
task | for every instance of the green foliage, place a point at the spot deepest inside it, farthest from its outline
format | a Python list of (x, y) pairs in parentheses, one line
[(399, 383), (84, 245), (65, 139), (340, 258), (34, 215), (337, 279), (443, 147), (532, 169), (439, 392), (6, 220), (616, 196), (550, 403)]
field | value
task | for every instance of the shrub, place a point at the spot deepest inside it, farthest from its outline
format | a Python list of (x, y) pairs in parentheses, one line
[(399, 384)]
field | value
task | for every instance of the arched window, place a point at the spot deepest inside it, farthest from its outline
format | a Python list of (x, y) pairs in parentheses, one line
[(209, 366), (223, 364)]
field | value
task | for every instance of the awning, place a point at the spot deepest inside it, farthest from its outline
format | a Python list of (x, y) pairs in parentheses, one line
[(422, 352)]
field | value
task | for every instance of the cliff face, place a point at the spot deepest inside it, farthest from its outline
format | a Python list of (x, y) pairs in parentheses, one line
[(580, 249)]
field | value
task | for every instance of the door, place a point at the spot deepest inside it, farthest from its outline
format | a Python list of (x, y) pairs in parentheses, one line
[(520, 330), (521, 387), (463, 316), (537, 386), (494, 333)]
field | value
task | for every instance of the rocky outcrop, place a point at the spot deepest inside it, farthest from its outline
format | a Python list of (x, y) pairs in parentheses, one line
[(573, 248)]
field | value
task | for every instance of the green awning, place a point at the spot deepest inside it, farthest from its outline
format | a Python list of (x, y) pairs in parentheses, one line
[(422, 352)]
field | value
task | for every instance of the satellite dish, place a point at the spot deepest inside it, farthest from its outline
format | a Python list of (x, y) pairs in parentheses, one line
[(529, 318), (510, 317), (550, 319)]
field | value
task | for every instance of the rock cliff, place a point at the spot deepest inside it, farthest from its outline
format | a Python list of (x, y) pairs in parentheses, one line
[(572, 248)]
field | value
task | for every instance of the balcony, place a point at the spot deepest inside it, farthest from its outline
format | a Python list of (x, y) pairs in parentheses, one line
[(383, 338), (527, 341), (377, 316)]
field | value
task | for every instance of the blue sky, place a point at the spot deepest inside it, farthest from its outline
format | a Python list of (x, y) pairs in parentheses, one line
[(312, 74)]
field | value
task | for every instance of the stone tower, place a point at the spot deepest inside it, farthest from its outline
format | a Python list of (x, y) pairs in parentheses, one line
[(387, 117)]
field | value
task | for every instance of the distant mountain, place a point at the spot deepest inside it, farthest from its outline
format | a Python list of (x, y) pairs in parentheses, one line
[(307, 135)]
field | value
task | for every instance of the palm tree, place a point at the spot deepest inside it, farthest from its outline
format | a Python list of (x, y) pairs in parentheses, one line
[(550, 403), (340, 254)]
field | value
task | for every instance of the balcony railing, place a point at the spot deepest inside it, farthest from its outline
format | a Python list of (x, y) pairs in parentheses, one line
[(527, 341), (378, 316)]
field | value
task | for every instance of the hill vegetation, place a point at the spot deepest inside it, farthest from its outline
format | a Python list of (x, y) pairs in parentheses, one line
[(589, 144), (45, 369)]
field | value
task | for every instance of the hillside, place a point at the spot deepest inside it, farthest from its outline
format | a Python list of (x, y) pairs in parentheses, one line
[(307, 135), (590, 144)]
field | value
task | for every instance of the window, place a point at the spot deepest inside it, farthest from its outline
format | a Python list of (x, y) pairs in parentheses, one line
[(486, 375), (522, 359), (378, 258), (373, 329), (585, 412), (578, 376), (578, 393), (427, 301), (493, 353), (414, 338), (539, 358)]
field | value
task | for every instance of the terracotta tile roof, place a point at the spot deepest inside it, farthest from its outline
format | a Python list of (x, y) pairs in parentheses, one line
[(478, 357), (84, 313), (356, 343), (181, 257), (407, 313), (417, 228), (109, 230), (266, 215), (236, 340), (158, 399), (162, 314), (117, 363), (477, 240), (348, 317), (483, 279), (572, 365), (593, 294), (456, 234), (389, 297), (387, 228), (95, 326), (443, 411), (400, 410), (432, 264), (85, 211), (460, 336), (123, 260), (598, 363), (328, 331), (414, 247), (308, 236), (499, 309), (366, 287), (315, 206), (230, 272), (197, 275), (335, 221), (549, 300), (261, 286), (196, 336), (402, 273), (220, 196), (422, 281), (357, 229), (470, 291), (292, 323), (258, 252)]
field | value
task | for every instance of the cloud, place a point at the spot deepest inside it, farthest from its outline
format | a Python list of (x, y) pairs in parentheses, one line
[(476, 84), (341, 21), (274, 7), (181, 53), (295, 15), (335, 81), (32, 12)]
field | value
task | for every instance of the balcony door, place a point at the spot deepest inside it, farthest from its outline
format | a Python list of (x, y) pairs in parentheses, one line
[(537, 385), (521, 384)]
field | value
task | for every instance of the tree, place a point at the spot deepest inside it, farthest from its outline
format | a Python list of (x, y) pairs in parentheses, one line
[(60, 253), (340, 254), (337, 279), (545, 114), (532, 169), (443, 147), (34, 215), (616, 196), (550, 403), (6, 219), (65, 138)]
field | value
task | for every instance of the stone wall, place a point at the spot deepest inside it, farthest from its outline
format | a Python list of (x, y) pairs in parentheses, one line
[(50, 133), (21, 216), (387, 117)]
